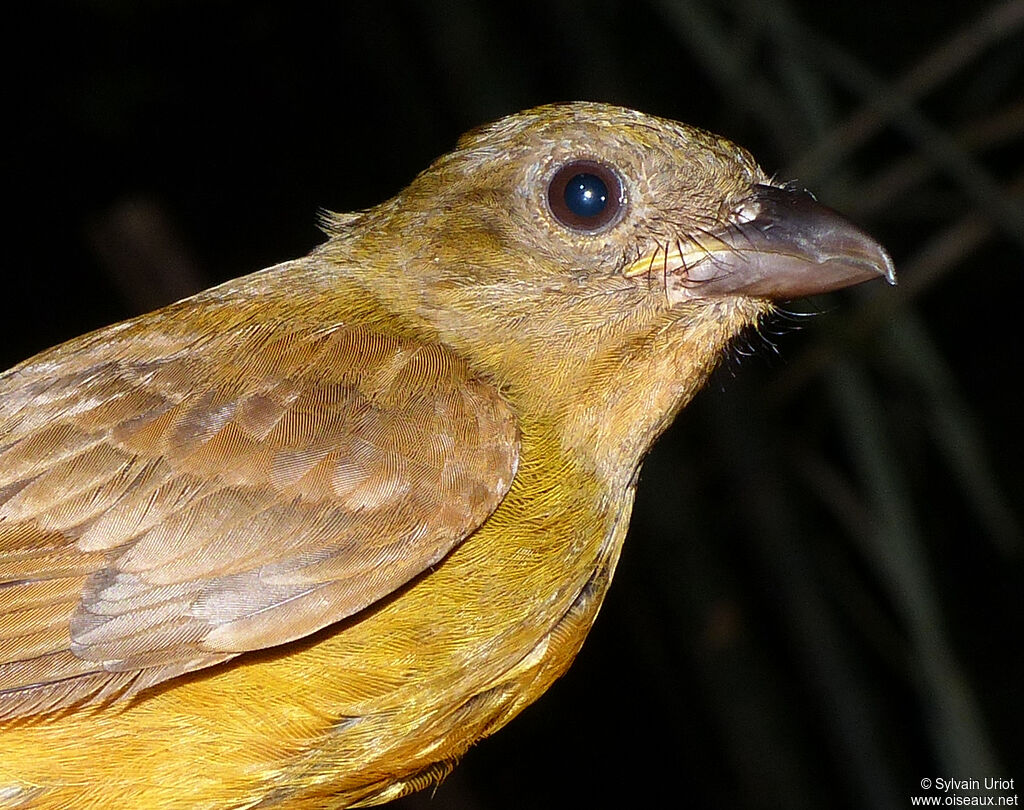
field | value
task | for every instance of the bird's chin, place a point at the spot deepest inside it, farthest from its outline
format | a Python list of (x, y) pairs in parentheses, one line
[(782, 244)]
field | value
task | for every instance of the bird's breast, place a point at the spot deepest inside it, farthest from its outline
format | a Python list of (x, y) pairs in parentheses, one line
[(407, 684)]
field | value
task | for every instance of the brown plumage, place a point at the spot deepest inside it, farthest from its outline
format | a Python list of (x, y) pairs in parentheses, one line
[(303, 538)]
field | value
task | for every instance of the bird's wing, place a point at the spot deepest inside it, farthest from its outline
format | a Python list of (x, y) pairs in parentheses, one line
[(159, 516)]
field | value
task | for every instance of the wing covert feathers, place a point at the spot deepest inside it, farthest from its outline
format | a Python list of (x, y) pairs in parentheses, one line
[(162, 515)]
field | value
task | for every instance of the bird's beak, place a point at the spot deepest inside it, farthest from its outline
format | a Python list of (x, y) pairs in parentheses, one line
[(782, 244)]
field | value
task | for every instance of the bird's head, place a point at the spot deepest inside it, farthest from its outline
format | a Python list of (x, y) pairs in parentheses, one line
[(585, 239)]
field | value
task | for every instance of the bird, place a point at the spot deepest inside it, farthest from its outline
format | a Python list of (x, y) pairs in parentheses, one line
[(301, 539)]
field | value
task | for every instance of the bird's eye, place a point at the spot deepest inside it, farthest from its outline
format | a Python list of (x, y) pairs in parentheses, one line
[(585, 195)]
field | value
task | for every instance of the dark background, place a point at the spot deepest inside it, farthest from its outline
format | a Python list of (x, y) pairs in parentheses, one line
[(820, 601)]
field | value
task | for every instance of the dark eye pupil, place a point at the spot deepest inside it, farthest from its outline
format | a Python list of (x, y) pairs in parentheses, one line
[(586, 195)]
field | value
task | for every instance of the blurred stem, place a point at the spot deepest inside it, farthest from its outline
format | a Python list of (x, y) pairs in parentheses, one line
[(933, 142), (896, 547), (832, 671), (965, 45), (913, 353), (713, 46), (876, 193)]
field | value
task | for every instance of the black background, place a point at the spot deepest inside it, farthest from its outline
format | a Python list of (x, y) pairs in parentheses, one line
[(820, 600)]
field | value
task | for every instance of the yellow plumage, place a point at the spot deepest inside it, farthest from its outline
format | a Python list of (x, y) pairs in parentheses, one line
[(304, 538)]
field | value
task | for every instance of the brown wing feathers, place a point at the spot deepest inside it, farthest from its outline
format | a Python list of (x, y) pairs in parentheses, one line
[(164, 516)]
